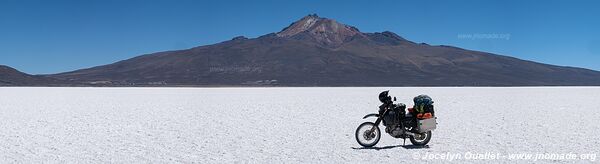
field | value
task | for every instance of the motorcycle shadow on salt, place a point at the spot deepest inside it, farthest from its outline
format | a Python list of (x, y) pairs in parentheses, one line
[(391, 147)]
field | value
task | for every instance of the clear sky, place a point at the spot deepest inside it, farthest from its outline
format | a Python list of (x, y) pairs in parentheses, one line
[(41, 37)]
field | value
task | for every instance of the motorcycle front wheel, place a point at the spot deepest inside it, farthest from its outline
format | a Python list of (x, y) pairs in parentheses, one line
[(367, 137), (422, 139)]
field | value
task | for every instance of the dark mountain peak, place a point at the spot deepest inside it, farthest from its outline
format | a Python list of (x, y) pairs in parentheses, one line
[(387, 38), (392, 35), (239, 38), (322, 30)]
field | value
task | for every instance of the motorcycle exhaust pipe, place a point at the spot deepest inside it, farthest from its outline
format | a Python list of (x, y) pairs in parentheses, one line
[(413, 134), (410, 133)]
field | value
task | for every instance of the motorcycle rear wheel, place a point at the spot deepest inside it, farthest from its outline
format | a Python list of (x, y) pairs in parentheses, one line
[(421, 141), (365, 137)]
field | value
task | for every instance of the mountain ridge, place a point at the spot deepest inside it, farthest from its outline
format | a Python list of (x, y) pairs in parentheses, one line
[(12, 77), (316, 51)]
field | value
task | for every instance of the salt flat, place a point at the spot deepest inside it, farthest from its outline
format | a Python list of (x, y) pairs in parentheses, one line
[(291, 125)]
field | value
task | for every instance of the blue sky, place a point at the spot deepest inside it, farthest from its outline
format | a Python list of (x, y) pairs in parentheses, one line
[(41, 37)]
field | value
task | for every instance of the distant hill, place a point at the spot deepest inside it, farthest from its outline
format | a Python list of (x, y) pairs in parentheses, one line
[(12, 77), (316, 51)]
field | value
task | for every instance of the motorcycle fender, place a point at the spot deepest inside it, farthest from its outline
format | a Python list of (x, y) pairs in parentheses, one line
[(371, 115)]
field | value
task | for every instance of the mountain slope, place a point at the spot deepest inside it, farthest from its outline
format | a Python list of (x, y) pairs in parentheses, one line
[(12, 77), (315, 51)]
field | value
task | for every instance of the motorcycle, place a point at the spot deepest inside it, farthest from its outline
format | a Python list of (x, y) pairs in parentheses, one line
[(398, 123)]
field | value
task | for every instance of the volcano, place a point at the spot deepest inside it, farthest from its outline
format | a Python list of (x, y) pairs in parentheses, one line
[(317, 51)]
